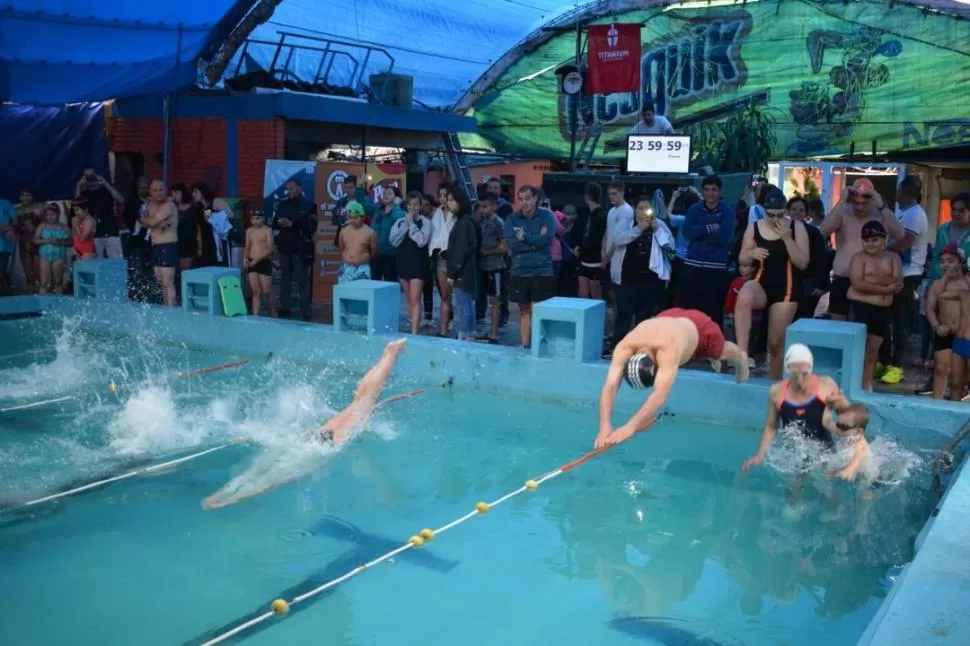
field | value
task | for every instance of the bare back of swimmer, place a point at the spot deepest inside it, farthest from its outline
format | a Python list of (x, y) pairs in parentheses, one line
[(335, 432), (651, 354)]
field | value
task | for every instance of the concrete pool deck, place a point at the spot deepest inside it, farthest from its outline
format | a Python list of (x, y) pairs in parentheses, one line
[(929, 602)]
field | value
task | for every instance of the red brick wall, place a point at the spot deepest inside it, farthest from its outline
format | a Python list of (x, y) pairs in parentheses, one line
[(197, 151), (258, 141)]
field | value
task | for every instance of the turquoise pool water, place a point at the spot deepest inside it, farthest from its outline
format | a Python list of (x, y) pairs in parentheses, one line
[(660, 541)]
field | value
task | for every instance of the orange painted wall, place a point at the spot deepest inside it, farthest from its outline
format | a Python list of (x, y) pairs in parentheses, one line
[(525, 173)]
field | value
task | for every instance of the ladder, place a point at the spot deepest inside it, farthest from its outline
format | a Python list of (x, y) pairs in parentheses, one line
[(458, 166), (588, 147)]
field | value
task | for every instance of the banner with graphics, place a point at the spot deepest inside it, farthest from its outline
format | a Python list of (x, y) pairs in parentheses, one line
[(329, 183), (276, 173), (830, 73), (614, 59)]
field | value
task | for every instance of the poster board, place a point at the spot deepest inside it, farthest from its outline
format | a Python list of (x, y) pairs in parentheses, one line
[(329, 188)]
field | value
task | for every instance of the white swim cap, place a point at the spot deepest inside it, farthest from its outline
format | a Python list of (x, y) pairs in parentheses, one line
[(799, 353)]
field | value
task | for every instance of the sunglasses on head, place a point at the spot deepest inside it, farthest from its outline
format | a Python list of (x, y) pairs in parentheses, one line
[(842, 426)]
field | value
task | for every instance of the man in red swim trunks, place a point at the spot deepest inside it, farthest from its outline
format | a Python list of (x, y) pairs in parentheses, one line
[(651, 354)]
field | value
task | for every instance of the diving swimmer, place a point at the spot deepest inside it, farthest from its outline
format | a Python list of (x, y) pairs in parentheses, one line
[(334, 433), (804, 401), (651, 354)]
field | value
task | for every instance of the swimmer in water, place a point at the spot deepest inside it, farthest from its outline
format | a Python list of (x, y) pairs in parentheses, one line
[(851, 432), (803, 401), (651, 355), (334, 433)]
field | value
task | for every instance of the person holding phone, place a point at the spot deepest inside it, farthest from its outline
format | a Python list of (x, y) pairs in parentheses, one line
[(102, 198)]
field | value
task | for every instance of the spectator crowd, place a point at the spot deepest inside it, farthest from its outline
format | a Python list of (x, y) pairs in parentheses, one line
[(752, 267)]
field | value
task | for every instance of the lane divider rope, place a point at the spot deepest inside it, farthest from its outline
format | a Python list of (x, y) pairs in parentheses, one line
[(43, 402), (113, 387), (280, 607), (158, 467)]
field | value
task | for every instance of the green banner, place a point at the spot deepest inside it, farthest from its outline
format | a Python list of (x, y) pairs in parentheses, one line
[(829, 73)]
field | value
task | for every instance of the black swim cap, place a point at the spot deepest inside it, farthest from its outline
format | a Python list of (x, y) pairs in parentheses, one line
[(640, 371)]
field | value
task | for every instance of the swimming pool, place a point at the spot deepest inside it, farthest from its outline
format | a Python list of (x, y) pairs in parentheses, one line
[(659, 539)]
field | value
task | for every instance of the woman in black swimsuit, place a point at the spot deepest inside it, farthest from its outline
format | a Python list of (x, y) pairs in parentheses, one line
[(188, 226), (778, 248)]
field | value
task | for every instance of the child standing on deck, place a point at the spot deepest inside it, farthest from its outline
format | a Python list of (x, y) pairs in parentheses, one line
[(876, 275), (259, 267), (943, 317)]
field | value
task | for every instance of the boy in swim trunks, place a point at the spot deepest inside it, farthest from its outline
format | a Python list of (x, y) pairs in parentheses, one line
[(943, 315), (161, 216), (358, 244), (876, 276), (651, 355), (961, 348), (259, 268)]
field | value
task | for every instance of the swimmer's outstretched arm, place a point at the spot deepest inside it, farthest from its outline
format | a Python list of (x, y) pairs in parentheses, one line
[(769, 431), (668, 366)]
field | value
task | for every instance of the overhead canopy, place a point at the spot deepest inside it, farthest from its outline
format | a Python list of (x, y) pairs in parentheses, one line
[(57, 51), (54, 51), (445, 45)]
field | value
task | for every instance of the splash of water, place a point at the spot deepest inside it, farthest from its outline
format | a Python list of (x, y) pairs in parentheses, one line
[(888, 462), (75, 363)]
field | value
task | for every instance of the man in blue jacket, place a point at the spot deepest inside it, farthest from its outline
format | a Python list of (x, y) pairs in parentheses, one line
[(709, 229), (529, 233)]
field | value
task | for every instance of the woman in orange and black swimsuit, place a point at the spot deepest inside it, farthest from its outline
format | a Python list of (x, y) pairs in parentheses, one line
[(778, 247)]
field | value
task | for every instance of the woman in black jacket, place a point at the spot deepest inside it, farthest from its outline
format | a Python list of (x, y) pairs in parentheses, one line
[(461, 261)]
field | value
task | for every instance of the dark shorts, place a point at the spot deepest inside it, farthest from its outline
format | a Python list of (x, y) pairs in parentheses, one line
[(589, 273), (496, 282), (532, 289), (839, 296), (874, 317), (165, 254), (942, 343), (264, 268)]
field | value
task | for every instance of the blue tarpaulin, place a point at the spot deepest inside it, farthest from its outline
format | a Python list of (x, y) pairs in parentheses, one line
[(64, 51), (47, 148)]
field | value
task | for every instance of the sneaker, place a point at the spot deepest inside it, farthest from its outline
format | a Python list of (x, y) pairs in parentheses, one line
[(925, 389), (892, 375)]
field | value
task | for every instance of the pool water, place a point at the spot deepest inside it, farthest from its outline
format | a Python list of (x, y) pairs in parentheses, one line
[(659, 541)]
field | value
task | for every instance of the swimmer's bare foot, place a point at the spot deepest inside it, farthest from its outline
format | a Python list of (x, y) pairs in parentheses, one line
[(715, 365), (396, 347), (743, 371)]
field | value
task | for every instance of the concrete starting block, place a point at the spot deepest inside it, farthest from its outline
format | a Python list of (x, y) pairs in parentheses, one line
[(568, 327), (103, 280), (374, 303), (200, 289), (839, 348)]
